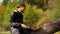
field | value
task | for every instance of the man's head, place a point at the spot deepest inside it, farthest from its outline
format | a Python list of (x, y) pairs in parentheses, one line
[(22, 7)]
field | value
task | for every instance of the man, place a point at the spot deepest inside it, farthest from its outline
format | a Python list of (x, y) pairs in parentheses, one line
[(17, 26)]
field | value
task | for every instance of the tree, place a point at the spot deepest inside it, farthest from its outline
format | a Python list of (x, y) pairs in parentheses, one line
[(5, 2), (39, 3)]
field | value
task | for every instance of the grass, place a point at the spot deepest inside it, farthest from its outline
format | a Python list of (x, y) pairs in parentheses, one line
[(57, 32), (8, 32)]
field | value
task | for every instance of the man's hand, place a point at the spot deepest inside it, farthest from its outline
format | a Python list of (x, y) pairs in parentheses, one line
[(24, 26)]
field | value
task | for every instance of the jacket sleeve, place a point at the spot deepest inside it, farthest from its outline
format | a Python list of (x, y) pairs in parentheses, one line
[(12, 17), (12, 20)]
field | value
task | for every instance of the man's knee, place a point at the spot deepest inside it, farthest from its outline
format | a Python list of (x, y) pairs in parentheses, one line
[(14, 31)]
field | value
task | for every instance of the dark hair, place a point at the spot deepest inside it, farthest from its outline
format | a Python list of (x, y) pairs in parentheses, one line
[(21, 5)]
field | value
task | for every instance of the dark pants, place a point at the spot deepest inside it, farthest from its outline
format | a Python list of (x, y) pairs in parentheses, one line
[(17, 30)]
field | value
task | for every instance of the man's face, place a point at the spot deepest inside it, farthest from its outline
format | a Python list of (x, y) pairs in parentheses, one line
[(23, 9)]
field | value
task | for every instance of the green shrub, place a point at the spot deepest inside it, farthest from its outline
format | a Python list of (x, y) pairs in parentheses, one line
[(32, 15)]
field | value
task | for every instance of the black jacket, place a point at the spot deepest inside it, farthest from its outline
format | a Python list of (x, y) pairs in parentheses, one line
[(16, 18)]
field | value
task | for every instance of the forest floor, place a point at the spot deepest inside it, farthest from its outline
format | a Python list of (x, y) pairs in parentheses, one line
[(8, 32)]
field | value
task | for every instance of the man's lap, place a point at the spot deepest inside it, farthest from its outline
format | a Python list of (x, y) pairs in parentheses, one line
[(15, 30), (19, 31)]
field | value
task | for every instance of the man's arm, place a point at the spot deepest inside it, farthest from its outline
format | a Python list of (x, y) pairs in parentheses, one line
[(12, 19)]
